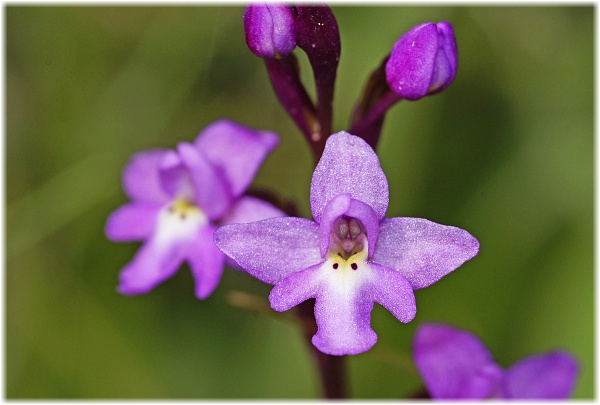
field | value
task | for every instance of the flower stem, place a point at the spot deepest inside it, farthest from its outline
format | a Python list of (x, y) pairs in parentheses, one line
[(332, 369)]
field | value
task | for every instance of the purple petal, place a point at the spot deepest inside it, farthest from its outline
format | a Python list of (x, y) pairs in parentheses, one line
[(296, 288), (344, 325), (152, 265), (388, 288), (345, 300), (421, 250), (250, 209), (134, 221), (337, 206), (175, 178), (235, 150), (140, 177), (451, 361), (211, 190), (345, 292), (348, 165), (272, 249), (547, 376), (269, 29), (206, 262), (368, 217), (160, 257)]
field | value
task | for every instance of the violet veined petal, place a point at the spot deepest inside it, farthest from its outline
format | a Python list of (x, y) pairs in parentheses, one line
[(296, 288), (237, 151), (211, 190), (163, 253), (448, 358), (546, 376), (272, 249), (421, 250), (250, 209), (335, 207), (390, 289), (131, 222), (206, 262), (140, 177), (348, 165)]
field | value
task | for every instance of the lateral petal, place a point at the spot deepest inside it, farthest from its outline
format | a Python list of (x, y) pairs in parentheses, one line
[(272, 249), (250, 209), (162, 254), (206, 262), (546, 376), (390, 289), (131, 222), (421, 250), (448, 360)]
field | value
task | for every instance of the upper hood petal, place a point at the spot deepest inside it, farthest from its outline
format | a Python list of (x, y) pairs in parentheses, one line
[(235, 150), (141, 177), (348, 165)]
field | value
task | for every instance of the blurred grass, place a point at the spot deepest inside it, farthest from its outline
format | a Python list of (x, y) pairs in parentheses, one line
[(506, 152)]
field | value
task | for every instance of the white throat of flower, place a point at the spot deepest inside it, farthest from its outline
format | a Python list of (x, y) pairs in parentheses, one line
[(179, 220), (346, 265)]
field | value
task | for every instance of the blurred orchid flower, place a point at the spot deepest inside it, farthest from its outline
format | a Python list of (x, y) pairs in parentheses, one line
[(178, 198)]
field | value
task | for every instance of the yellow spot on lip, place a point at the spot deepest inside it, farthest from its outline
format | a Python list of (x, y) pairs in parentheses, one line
[(353, 262), (184, 210)]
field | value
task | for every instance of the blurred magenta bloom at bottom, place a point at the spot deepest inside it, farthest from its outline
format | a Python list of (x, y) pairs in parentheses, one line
[(179, 197), (454, 364)]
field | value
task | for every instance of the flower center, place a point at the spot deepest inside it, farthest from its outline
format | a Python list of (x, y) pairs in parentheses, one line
[(180, 220), (348, 237), (183, 209), (346, 267)]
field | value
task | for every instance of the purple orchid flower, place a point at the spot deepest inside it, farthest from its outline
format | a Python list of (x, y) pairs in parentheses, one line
[(177, 199), (455, 364), (350, 256), (270, 29), (423, 61)]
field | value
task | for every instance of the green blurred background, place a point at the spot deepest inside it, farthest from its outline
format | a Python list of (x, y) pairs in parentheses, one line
[(506, 152)]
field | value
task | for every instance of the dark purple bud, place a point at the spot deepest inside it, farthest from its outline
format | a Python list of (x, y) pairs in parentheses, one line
[(270, 30), (423, 61)]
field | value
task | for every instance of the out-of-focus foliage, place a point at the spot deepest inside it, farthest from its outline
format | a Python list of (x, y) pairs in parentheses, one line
[(506, 152)]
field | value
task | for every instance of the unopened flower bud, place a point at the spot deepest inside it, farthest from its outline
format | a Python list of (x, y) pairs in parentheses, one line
[(270, 29), (423, 61)]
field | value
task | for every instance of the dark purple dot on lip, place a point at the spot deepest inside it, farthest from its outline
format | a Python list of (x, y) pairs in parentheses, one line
[(354, 266), (335, 266)]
